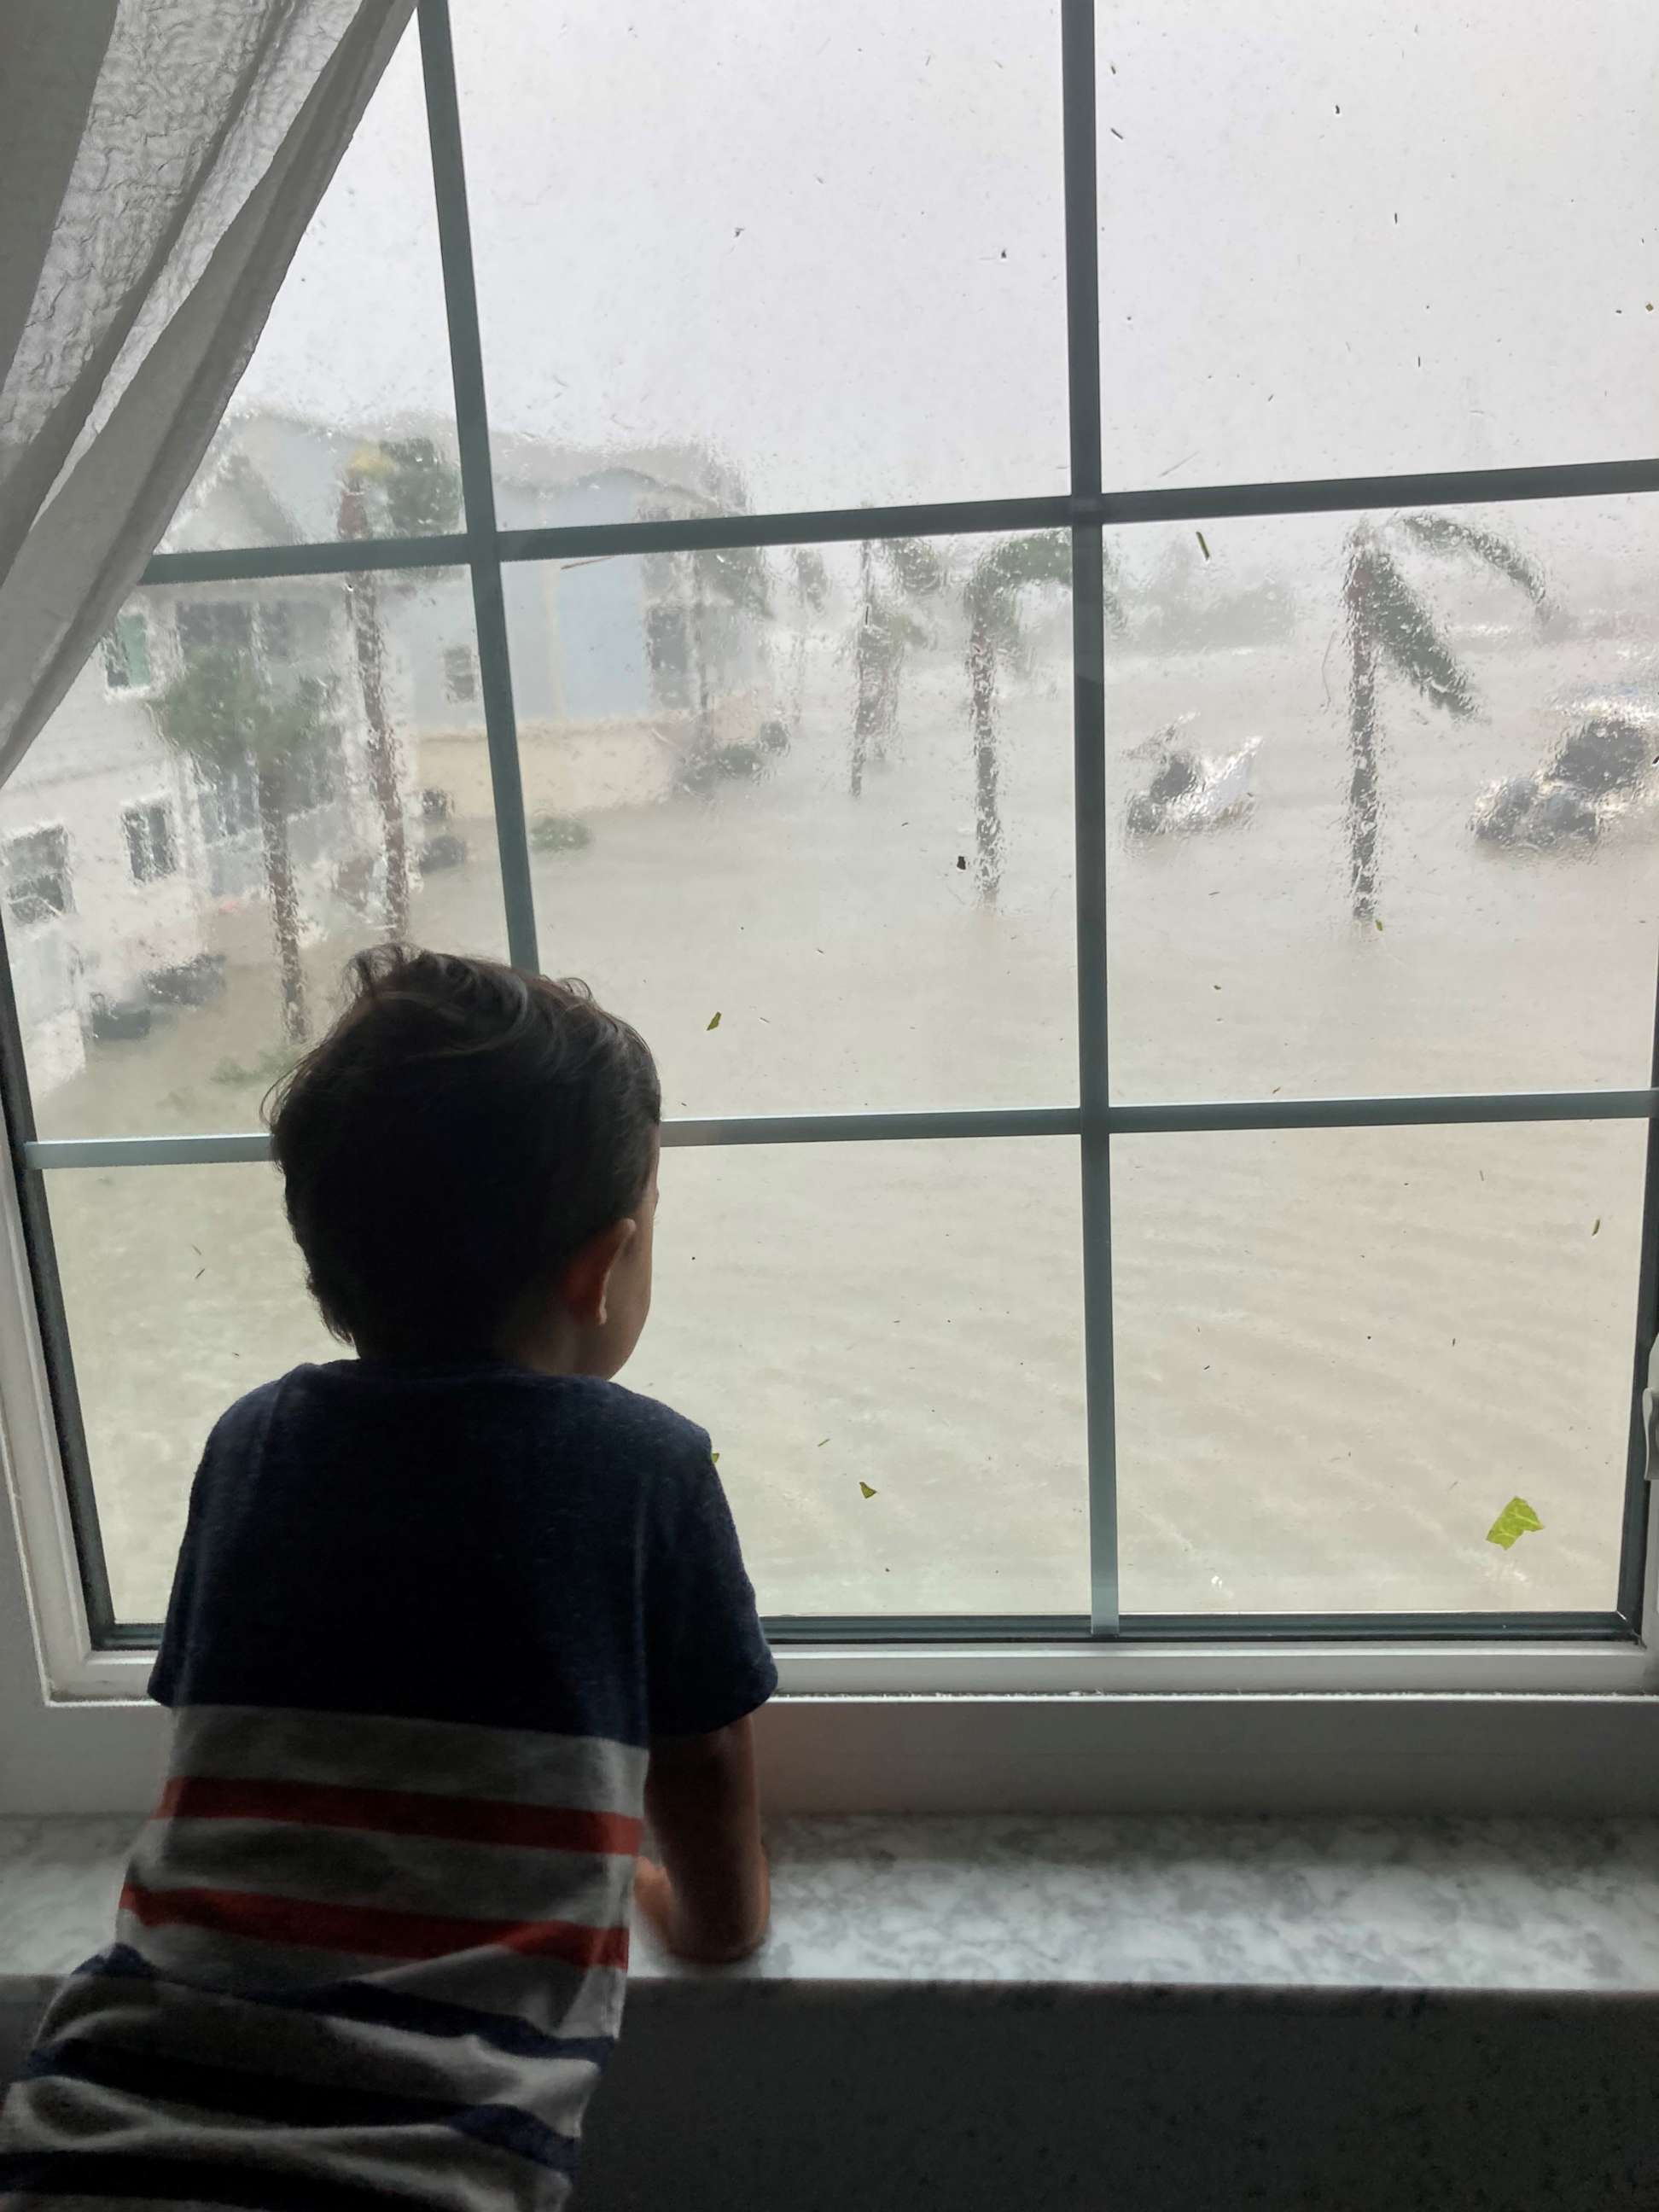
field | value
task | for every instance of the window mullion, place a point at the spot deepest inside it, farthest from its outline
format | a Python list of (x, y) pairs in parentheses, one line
[(1089, 800), (477, 479)]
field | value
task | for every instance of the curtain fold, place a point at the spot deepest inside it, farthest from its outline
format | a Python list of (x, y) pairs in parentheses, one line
[(159, 163)]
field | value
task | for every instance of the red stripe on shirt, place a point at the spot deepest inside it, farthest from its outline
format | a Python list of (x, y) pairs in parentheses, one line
[(367, 1928), (401, 1813)]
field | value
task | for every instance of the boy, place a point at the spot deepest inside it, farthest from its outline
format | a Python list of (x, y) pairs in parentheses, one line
[(448, 1619)]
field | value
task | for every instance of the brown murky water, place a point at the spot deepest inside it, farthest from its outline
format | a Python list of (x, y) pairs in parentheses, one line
[(1339, 1352)]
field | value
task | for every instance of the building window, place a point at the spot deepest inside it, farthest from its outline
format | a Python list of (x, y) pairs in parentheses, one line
[(151, 853), (1141, 894), (461, 674), (38, 883), (125, 653)]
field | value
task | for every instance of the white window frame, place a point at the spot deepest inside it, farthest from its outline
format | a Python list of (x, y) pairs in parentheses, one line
[(1016, 1711)]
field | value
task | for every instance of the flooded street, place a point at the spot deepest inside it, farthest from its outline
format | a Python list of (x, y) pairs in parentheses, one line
[(1339, 1352)]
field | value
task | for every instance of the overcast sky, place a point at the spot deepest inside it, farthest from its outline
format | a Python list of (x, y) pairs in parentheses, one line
[(827, 239)]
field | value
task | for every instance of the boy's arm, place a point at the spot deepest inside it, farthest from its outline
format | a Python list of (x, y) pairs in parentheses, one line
[(711, 1897)]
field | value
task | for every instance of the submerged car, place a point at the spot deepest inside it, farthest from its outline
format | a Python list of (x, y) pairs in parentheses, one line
[(1600, 772)]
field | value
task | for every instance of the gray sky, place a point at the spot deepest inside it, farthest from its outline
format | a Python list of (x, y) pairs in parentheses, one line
[(827, 240)]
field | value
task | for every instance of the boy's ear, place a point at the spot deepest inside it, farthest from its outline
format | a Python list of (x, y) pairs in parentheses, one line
[(587, 1281)]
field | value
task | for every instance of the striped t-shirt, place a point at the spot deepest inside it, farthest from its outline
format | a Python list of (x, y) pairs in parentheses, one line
[(372, 1942)]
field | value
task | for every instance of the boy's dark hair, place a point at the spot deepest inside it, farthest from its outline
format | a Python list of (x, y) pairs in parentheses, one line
[(460, 1133)]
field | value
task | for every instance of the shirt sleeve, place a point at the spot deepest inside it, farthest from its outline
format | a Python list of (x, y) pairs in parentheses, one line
[(707, 1660)]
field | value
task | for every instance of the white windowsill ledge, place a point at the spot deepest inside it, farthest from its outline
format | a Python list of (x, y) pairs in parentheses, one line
[(1350, 1910)]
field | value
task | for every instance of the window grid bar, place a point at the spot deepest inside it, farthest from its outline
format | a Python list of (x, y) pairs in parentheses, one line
[(1077, 33), (945, 518), (52, 1316), (232, 1148), (477, 478), (1633, 1552), (1137, 1630)]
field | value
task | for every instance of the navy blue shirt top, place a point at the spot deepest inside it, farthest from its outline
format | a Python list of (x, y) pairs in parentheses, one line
[(478, 1543)]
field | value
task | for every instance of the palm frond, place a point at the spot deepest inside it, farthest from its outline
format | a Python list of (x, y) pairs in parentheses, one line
[(1444, 534), (1403, 630), (916, 568)]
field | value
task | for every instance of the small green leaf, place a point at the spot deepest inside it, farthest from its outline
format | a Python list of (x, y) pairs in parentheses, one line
[(1516, 1520), (714, 1021), (1203, 545), (865, 1488), (715, 1457), (1379, 922)]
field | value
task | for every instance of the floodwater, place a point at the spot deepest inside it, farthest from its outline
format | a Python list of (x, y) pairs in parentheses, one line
[(1339, 1354)]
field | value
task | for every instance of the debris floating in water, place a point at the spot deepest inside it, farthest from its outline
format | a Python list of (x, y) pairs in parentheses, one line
[(1596, 1230), (1516, 1520), (865, 1488), (821, 1442), (1203, 545), (714, 1021)]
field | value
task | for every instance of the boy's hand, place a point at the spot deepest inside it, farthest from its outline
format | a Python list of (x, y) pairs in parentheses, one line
[(653, 1893), (710, 1898)]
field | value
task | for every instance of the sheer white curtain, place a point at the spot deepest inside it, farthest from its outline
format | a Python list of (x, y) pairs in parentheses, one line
[(159, 163)]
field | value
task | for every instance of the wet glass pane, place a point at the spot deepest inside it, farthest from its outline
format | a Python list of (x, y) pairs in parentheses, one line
[(907, 1317), (183, 1290), (343, 424), (1378, 236), (1384, 804), (1341, 1352), (766, 257), (824, 795), (192, 847)]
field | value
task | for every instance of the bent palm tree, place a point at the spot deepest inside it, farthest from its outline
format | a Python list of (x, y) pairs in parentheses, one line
[(408, 488), (892, 571), (1389, 625), (992, 598), (223, 715)]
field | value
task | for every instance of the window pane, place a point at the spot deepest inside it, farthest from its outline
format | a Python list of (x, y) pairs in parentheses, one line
[(903, 1316), (772, 257), (188, 870), (183, 1289), (768, 787), (1481, 915), (343, 424), (1344, 240), (1341, 1352)]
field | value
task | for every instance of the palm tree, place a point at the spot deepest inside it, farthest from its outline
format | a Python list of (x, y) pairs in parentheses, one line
[(1390, 625), (397, 488), (992, 598), (809, 582), (224, 714), (891, 572), (732, 580)]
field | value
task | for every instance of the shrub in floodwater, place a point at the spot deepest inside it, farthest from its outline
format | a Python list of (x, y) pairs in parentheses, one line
[(273, 1063), (559, 833)]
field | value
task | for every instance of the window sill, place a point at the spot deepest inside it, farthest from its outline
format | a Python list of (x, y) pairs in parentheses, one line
[(1360, 1912)]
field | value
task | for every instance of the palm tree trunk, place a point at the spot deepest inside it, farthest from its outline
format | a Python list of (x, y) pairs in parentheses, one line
[(867, 661), (987, 804), (1364, 794), (284, 898), (363, 599)]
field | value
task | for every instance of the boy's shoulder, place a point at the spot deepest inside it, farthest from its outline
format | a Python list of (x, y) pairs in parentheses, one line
[(580, 1409)]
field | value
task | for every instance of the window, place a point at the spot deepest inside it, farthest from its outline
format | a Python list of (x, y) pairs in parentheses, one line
[(1117, 778), (126, 653), (38, 886), (150, 851)]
